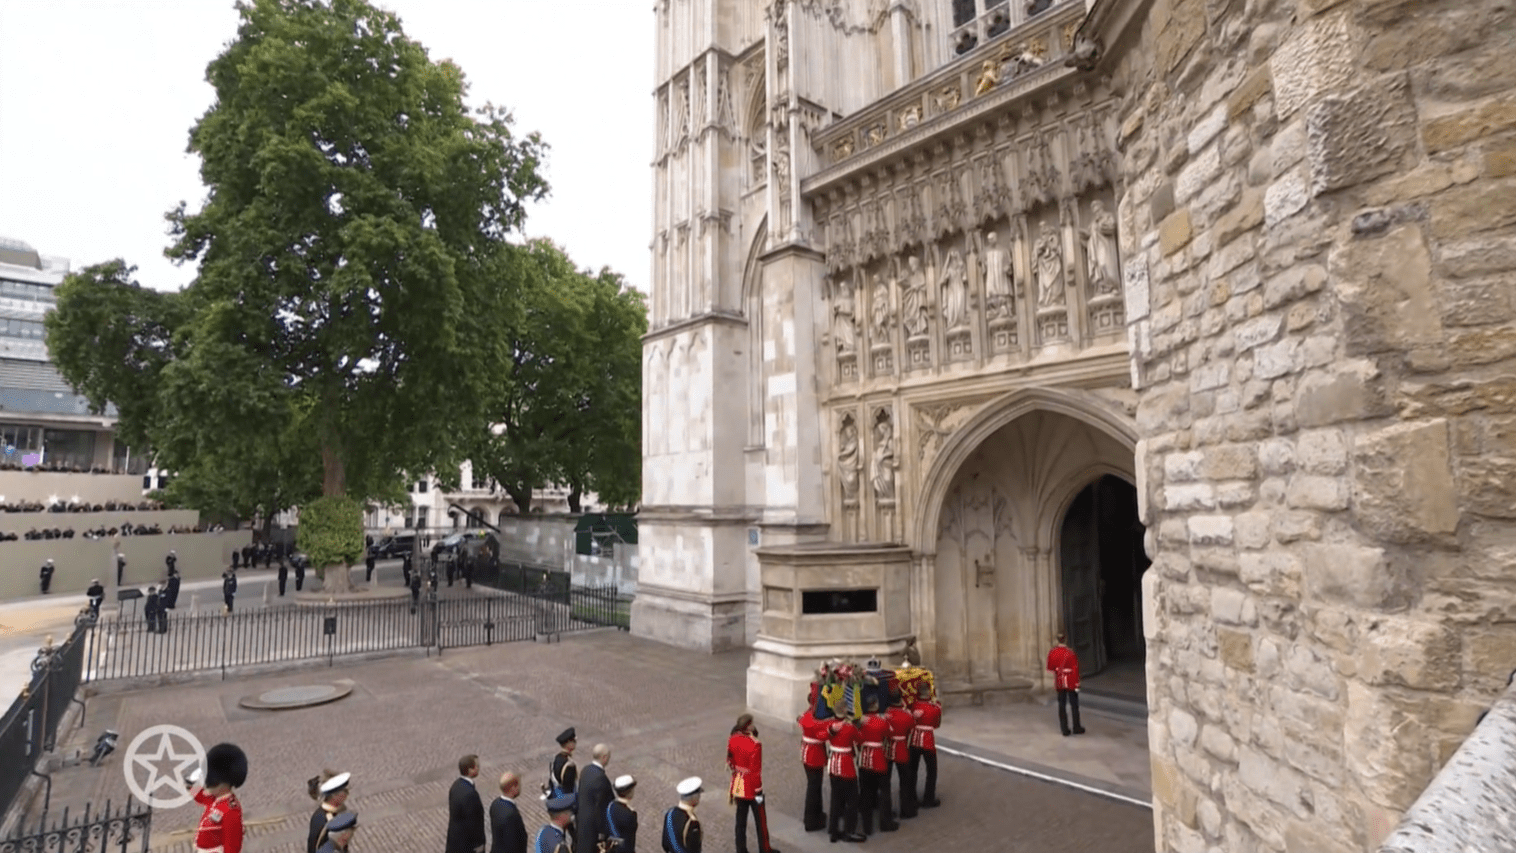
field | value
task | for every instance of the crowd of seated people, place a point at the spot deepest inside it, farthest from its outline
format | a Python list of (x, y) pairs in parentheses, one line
[(103, 532), (56, 468), (108, 506)]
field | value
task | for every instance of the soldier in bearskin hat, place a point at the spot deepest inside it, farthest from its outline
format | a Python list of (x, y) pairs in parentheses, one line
[(220, 829)]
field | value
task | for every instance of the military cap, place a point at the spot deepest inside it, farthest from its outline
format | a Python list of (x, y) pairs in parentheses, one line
[(336, 783), (562, 803), (624, 783), (343, 822), (566, 735), (689, 787)]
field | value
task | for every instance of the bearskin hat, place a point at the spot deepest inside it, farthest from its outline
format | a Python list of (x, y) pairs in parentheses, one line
[(225, 763)]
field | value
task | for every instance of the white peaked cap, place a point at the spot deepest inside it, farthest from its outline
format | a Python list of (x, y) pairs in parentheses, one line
[(336, 783), (689, 786), (624, 781)]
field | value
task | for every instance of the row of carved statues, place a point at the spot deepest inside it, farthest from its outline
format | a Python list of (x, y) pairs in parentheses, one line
[(883, 462), (990, 260)]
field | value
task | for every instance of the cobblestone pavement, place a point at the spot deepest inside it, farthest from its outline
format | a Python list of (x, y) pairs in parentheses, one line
[(666, 713)]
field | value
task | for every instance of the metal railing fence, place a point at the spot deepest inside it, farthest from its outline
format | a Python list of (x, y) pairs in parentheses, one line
[(30, 727), (114, 829)]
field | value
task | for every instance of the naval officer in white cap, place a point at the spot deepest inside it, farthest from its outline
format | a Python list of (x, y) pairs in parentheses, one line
[(332, 796), (682, 829), (621, 817)]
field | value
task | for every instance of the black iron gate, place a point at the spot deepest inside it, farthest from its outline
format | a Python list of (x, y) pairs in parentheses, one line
[(114, 829)]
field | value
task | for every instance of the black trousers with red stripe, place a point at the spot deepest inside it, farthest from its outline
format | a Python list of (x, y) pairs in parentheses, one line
[(760, 822)]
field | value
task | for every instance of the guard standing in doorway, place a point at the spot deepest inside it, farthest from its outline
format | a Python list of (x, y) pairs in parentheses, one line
[(1066, 680)]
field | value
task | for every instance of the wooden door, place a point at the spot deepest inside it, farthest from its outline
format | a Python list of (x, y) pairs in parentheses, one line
[(1080, 573)]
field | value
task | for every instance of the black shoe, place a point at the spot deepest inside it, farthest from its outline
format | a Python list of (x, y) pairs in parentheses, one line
[(857, 837), (890, 828), (932, 805), (833, 837), (1079, 731), (1065, 731)]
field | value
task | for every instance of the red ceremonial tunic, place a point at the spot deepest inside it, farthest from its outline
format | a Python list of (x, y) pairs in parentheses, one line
[(901, 724), (841, 738), (813, 740), (874, 731), (929, 715), (221, 826), (745, 758), (1065, 668)]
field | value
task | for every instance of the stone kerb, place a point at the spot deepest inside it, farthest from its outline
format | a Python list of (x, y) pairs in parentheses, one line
[(1319, 203)]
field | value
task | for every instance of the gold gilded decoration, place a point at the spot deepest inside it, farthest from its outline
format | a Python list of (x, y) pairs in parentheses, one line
[(1069, 35), (1037, 47)]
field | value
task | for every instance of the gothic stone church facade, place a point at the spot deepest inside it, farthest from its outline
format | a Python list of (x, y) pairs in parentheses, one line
[(1183, 326)]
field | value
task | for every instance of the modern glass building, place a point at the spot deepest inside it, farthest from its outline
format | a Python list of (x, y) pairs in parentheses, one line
[(43, 423)]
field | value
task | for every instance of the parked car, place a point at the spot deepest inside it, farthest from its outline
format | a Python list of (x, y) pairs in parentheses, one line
[(471, 542), (394, 547)]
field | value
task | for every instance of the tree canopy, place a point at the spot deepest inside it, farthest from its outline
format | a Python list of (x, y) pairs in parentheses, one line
[(570, 410), (360, 313)]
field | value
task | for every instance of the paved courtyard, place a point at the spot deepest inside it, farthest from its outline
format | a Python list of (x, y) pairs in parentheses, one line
[(665, 712)]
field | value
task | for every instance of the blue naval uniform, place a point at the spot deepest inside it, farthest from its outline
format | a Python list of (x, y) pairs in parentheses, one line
[(550, 839)]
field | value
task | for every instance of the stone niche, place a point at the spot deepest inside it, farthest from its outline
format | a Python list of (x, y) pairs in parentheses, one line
[(825, 601)]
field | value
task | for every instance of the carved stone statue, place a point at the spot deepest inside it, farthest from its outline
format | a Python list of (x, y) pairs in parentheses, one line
[(953, 285), (885, 463), (1101, 251), (914, 299), (848, 461), (758, 155), (844, 323), (998, 278), (990, 77), (1048, 264), (880, 315)]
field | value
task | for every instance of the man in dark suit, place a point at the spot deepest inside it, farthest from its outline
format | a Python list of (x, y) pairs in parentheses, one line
[(508, 834), (594, 795), (466, 814)]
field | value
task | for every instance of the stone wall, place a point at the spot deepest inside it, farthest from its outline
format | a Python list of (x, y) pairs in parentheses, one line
[(1317, 226), (39, 486), (201, 556)]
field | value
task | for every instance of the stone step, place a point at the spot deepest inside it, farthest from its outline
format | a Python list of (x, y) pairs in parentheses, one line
[(1113, 704)]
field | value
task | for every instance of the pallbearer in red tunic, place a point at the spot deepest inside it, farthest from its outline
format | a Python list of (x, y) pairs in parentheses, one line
[(874, 769), (814, 761), (899, 750), (924, 747), (842, 737), (1066, 680), (745, 760), (220, 829)]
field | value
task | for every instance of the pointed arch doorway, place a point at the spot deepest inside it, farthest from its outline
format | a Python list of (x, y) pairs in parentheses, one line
[(1101, 565)]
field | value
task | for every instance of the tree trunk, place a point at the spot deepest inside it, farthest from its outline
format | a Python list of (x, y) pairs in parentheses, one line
[(334, 579), (574, 493), (522, 497)]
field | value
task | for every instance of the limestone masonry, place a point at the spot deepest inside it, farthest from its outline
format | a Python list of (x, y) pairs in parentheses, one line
[(1183, 326)]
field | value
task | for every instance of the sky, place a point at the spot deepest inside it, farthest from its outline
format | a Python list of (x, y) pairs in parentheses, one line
[(97, 98)]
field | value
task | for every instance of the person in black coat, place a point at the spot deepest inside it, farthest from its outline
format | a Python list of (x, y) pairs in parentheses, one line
[(300, 572), (171, 560), (235, 555), (621, 817), (415, 584), (45, 575), (508, 833), (171, 590), (466, 814), (368, 566), (284, 576), (150, 609), (594, 795), (96, 594), (228, 588), (120, 568)]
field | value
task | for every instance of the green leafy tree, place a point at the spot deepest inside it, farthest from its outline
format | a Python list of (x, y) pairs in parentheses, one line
[(353, 267), (569, 407)]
